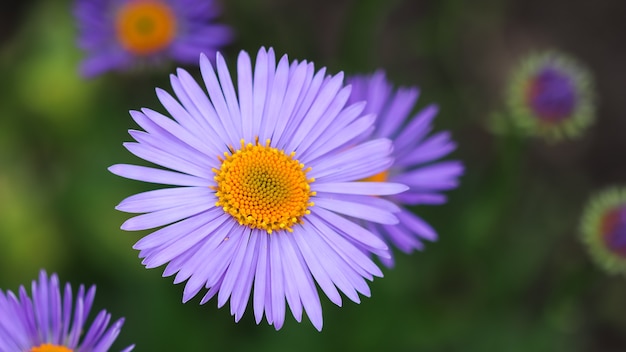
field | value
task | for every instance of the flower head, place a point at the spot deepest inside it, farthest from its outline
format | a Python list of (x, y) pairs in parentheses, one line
[(603, 229), (120, 34), (416, 152), (261, 173), (550, 95), (46, 323)]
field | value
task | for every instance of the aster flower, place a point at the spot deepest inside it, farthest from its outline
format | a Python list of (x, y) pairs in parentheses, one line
[(417, 156), (261, 174), (120, 34), (550, 95), (603, 229), (46, 323)]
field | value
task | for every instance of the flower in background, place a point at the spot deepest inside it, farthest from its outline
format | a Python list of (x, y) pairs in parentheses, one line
[(603, 229), (262, 174), (120, 34), (417, 156), (46, 323), (550, 95)]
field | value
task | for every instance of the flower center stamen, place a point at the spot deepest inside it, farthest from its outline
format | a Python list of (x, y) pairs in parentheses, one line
[(48, 347), (379, 177), (145, 26), (262, 187)]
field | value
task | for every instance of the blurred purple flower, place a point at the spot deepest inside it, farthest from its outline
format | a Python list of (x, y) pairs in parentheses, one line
[(416, 156), (603, 228), (550, 95), (122, 34), (262, 173), (46, 323)]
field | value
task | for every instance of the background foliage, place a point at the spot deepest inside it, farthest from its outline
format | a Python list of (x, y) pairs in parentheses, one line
[(508, 273)]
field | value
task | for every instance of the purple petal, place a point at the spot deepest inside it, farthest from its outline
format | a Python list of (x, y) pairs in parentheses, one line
[(167, 216), (165, 177), (363, 188), (357, 210)]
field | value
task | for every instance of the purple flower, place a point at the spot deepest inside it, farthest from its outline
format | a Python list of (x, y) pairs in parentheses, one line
[(416, 153), (261, 174), (550, 95), (121, 34), (603, 228), (46, 322)]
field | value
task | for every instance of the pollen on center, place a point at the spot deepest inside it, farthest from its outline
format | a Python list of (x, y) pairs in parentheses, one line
[(262, 187), (47, 347)]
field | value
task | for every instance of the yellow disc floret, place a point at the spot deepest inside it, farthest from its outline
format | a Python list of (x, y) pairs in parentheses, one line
[(47, 347), (145, 26), (379, 177), (262, 187)]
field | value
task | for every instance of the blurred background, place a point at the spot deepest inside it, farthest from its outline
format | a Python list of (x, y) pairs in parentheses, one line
[(508, 273)]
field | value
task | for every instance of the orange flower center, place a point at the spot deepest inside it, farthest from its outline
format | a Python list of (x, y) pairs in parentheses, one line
[(262, 187), (47, 347), (379, 177), (145, 26)]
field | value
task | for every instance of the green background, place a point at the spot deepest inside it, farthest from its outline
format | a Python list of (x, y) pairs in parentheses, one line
[(508, 272)]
